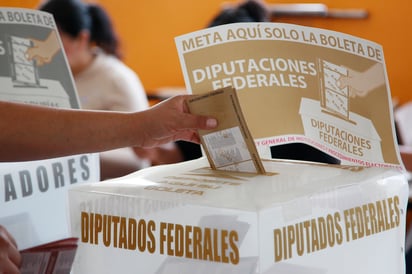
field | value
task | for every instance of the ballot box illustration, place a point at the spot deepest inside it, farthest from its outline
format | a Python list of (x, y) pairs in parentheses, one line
[(25, 84), (24, 71), (300, 217), (359, 138), (334, 99)]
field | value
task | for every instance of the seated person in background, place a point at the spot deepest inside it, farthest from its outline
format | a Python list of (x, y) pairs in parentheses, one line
[(245, 11), (102, 80)]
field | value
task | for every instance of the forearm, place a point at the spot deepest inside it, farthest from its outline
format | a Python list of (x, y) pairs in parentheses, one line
[(36, 133), (30, 132)]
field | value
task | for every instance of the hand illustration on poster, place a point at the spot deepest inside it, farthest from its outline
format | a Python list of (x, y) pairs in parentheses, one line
[(25, 56), (43, 51), (361, 83), (334, 98), (24, 72)]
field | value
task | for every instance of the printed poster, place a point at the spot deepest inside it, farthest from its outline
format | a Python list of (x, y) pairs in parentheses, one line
[(306, 93), (34, 70)]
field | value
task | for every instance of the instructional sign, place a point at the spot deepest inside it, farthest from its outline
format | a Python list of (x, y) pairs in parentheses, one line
[(34, 70), (306, 93)]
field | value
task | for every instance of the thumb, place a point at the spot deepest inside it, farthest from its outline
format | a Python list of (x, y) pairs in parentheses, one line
[(194, 121)]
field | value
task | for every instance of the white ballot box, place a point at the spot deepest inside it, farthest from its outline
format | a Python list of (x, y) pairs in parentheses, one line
[(187, 218)]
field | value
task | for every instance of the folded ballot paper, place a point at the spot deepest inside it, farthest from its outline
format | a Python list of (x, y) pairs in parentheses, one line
[(230, 146), (326, 193)]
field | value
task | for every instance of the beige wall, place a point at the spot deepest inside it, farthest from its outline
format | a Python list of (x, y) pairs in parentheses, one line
[(147, 29)]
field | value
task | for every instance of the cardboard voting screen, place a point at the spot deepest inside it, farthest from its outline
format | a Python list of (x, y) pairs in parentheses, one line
[(33, 200), (303, 91)]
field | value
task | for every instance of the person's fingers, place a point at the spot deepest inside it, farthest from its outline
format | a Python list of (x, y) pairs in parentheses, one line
[(190, 136), (6, 234), (9, 254), (191, 121), (15, 256), (185, 135), (182, 119), (195, 138), (211, 123), (8, 267), (170, 121), (201, 122), (10, 245)]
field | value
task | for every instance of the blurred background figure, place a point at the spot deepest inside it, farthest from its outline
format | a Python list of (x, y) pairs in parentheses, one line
[(102, 80), (245, 11)]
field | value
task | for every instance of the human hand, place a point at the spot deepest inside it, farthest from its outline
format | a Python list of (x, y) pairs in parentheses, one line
[(170, 121), (10, 257), (165, 154)]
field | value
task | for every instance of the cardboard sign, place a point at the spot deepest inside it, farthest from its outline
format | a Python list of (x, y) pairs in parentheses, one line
[(33, 194), (306, 93)]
